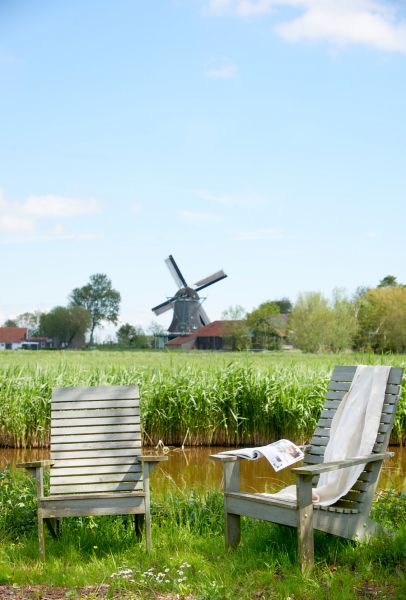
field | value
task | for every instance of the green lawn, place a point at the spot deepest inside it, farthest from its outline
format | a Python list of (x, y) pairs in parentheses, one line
[(189, 559), (237, 395)]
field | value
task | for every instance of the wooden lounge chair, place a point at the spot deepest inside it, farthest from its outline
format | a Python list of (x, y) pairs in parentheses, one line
[(348, 517), (96, 466)]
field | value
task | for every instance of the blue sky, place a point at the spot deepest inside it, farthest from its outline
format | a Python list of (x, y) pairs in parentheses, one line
[(263, 137)]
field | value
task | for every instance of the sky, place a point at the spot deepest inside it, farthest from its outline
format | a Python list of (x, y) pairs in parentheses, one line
[(263, 137)]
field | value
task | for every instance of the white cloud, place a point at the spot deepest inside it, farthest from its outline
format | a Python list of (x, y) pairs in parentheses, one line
[(198, 218), (57, 206), (10, 223), (24, 221), (231, 201), (259, 235), (221, 68), (136, 207), (373, 23)]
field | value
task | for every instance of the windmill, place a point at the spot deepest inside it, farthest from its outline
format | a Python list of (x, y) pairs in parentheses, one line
[(188, 313)]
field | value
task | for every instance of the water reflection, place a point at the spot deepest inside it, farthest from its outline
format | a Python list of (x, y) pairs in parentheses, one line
[(191, 469)]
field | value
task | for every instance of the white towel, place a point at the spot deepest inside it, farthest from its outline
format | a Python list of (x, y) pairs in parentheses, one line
[(353, 433)]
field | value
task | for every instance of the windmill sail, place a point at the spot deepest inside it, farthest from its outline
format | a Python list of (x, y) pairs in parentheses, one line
[(203, 316), (203, 283), (175, 272), (161, 308)]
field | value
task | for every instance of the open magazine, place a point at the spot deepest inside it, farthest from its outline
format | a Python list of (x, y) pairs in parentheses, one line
[(280, 454)]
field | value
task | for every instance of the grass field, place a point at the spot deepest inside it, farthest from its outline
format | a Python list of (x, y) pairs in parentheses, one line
[(188, 561), (227, 397), (198, 397)]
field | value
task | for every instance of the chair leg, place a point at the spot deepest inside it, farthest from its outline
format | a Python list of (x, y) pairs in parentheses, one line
[(139, 521), (41, 538), (305, 535), (232, 530), (54, 526), (148, 537)]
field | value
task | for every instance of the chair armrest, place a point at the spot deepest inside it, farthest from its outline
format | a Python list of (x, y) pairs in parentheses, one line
[(37, 464), (36, 468), (224, 459), (150, 462), (340, 464), (153, 459)]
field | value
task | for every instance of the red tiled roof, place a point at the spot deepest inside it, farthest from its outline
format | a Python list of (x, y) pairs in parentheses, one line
[(9, 335), (214, 329), (178, 341)]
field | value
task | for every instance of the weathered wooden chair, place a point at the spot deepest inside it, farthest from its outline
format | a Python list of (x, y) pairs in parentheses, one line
[(348, 517), (96, 466)]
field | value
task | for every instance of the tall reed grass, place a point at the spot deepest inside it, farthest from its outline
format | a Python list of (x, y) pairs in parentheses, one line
[(211, 399)]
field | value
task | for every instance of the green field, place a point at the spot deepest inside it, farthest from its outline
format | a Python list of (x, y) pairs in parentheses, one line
[(100, 557), (198, 397), (226, 398)]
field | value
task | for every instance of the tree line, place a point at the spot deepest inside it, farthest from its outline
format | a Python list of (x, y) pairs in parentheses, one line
[(87, 308), (373, 319)]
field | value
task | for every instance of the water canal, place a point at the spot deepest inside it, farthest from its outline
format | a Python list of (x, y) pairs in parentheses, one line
[(191, 469)]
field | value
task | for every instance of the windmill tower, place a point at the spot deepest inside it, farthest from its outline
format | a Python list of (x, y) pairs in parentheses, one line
[(188, 313)]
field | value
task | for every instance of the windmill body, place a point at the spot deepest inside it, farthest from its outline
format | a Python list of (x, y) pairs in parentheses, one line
[(188, 313)]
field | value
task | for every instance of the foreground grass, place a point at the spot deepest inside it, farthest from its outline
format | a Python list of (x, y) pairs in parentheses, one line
[(201, 397), (197, 564), (188, 557)]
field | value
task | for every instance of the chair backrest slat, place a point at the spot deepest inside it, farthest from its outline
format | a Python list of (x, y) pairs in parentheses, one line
[(95, 440)]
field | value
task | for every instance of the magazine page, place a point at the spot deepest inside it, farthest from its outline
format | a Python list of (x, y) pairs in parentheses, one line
[(281, 454), (247, 453)]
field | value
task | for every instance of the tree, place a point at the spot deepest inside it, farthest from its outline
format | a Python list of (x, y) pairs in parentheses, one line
[(10, 323), (318, 325), (387, 281), (65, 325), (382, 319), (234, 313), (344, 326), (266, 325), (30, 320), (99, 299), (129, 336), (156, 329), (235, 328), (284, 304), (311, 322)]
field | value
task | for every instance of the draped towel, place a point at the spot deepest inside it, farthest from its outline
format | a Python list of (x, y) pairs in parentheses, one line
[(353, 433)]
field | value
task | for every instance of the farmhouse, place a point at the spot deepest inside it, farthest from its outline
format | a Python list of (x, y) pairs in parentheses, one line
[(210, 337), (222, 335), (14, 338)]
